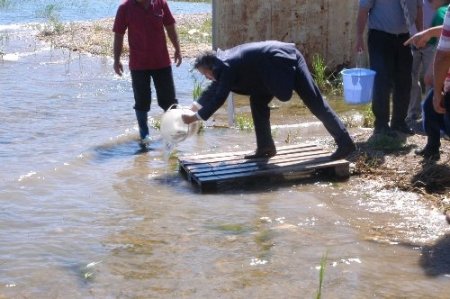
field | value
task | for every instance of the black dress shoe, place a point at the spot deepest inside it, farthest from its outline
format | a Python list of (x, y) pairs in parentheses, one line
[(403, 129), (343, 151), (429, 154), (262, 153)]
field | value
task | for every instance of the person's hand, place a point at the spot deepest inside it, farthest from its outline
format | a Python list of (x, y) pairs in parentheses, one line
[(177, 57), (189, 117), (438, 103), (118, 68), (194, 107), (418, 40)]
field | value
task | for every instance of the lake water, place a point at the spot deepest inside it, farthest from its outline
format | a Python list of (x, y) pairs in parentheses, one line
[(85, 214)]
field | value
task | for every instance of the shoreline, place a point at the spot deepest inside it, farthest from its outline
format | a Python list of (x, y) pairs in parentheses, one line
[(96, 37), (391, 169)]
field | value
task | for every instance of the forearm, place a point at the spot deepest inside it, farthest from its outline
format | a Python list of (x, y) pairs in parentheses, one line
[(173, 36), (360, 28), (361, 22), (118, 46), (441, 66)]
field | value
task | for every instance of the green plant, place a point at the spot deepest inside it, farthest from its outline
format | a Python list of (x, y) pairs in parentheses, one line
[(327, 82), (369, 118), (319, 71), (54, 24), (244, 122), (321, 275), (155, 123), (198, 89)]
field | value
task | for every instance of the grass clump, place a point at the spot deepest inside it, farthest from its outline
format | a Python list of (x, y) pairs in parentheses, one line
[(243, 122), (327, 82), (368, 117), (54, 25)]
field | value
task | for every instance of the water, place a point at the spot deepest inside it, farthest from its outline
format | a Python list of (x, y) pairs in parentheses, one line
[(30, 11), (85, 213)]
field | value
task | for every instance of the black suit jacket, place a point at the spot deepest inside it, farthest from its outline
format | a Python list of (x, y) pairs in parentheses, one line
[(258, 68)]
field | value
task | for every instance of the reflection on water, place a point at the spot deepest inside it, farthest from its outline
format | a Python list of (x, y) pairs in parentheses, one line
[(83, 205)]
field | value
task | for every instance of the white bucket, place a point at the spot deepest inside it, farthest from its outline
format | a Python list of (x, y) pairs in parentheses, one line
[(173, 129)]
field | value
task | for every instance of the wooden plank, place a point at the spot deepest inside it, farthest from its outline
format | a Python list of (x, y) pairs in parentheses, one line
[(252, 165), (291, 161), (231, 163), (224, 156), (271, 169)]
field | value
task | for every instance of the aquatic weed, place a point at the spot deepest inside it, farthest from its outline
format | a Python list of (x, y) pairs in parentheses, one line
[(198, 87), (235, 229), (54, 25), (321, 275)]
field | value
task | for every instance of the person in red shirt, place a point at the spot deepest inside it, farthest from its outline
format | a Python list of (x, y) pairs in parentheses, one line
[(149, 57)]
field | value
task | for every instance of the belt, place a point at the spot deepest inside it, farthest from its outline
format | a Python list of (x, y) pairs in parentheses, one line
[(399, 35)]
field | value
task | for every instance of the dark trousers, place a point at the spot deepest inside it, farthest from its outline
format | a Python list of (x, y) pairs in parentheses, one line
[(164, 85), (309, 92), (434, 122), (392, 62)]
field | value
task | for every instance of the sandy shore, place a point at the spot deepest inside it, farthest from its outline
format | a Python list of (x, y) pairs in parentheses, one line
[(96, 37)]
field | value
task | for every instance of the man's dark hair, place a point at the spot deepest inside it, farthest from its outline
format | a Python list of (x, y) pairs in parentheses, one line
[(207, 60)]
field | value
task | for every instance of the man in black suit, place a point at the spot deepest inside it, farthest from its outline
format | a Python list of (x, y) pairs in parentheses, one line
[(264, 70)]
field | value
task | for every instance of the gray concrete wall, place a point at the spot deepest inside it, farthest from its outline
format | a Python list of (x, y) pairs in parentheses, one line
[(326, 27)]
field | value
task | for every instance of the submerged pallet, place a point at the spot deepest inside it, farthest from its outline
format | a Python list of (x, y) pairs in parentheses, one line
[(291, 162)]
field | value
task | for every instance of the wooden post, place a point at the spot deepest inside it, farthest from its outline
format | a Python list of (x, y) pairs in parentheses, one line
[(230, 110)]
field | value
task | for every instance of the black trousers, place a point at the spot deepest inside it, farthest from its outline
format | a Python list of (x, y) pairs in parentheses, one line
[(434, 122), (392, 62), (308, 91), (164, 85)]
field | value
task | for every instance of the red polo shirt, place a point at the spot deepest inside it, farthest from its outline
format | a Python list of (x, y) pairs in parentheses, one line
[(146, 35)]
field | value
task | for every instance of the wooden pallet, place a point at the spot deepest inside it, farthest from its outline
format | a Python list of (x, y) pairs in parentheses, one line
[(291, 162)]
